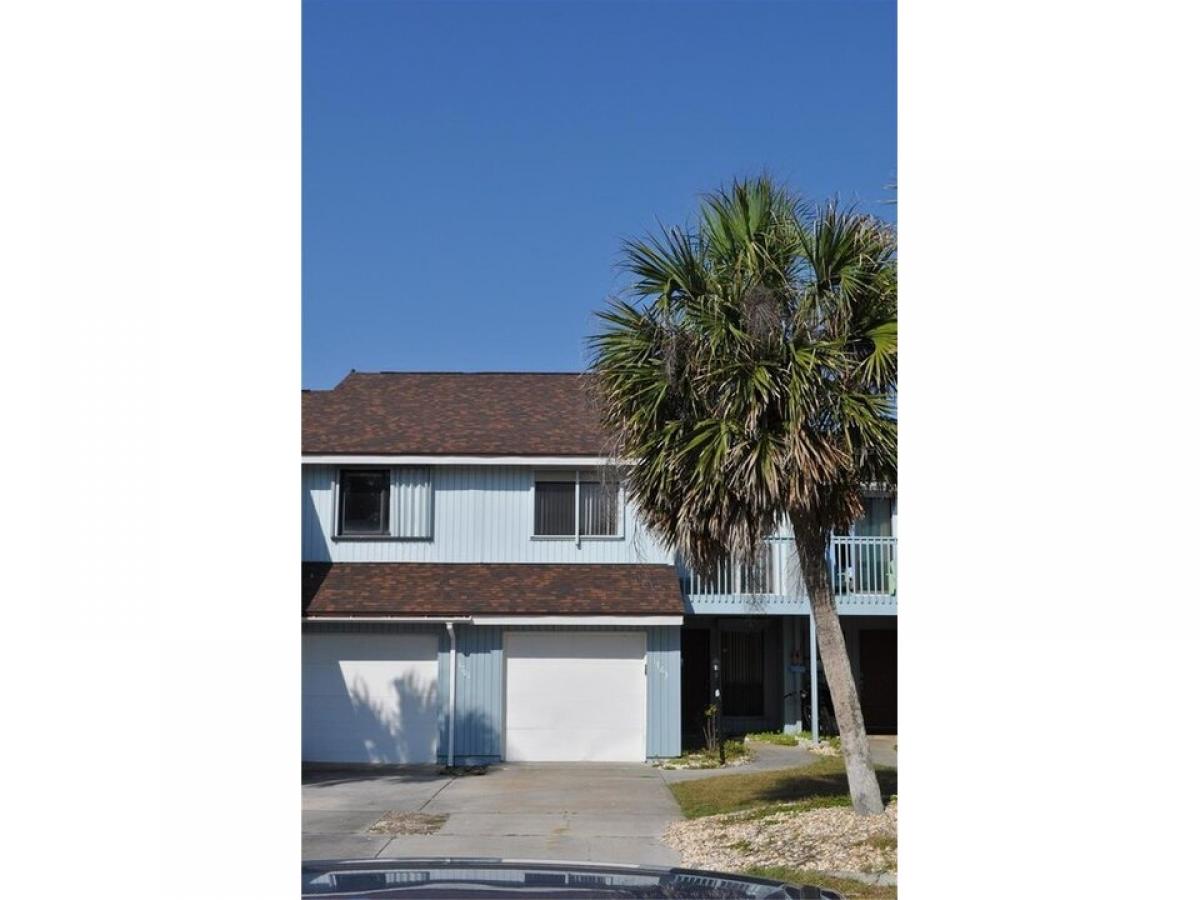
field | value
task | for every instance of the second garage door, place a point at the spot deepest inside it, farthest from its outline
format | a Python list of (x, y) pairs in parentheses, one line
[(575, 696)]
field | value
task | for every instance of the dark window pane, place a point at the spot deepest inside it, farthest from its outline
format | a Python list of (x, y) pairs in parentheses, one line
[(554, 508), (598, 507), (877, 518), (365, 502), (742, 662)]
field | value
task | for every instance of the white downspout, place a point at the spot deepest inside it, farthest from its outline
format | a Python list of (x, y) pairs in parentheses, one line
[(453, 683)]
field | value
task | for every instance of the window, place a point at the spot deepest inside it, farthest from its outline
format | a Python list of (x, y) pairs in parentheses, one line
[(365, 502), (599, 508), (876, 520), (576, 504), (554, 502)]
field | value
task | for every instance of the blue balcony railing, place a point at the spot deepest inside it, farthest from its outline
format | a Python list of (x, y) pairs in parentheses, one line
[(859, 566), (863, 565)]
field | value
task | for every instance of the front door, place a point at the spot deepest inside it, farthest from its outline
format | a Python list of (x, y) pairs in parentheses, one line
[(697, 689), (743, 672), (877, 671)]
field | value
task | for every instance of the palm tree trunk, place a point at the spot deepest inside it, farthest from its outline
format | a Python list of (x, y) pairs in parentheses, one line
[(814, 567)]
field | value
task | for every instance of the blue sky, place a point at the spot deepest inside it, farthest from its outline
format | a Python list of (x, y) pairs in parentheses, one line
[(470, 168)]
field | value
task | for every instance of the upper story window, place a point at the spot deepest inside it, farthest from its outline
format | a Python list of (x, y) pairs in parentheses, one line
[(576, 504), (876, 520), (366, 501), (394, 502)]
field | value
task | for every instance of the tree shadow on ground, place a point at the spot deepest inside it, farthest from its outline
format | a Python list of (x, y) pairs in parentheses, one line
[(801, 787), (332, 774), (732, 793)]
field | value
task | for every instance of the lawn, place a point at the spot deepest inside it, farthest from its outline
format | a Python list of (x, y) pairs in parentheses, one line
[(821, 784), (757, 795), (792, 738)]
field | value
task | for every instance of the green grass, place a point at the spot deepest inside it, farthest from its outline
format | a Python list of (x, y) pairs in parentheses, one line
[(881, 841), (773, 737), (791, 740), (849, 888), (823, 783)]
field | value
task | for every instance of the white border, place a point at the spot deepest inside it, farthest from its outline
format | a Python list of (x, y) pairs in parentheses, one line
[(327, 459), (577, 620)]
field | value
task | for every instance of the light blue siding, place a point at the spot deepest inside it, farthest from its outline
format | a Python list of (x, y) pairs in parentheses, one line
[(663, 692), (785, 605), (479, 694), (412, 502), (479, 514)]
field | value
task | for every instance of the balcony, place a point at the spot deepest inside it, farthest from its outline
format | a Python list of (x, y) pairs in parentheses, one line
[(862, 568)]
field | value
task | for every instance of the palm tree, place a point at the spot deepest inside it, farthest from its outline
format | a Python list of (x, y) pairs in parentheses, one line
[(749, 377)]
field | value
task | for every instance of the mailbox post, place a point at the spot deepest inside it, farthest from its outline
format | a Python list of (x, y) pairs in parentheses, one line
[(720, 710)]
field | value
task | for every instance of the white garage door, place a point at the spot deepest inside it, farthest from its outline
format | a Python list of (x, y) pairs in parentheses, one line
[(370, 698), (575, 696)]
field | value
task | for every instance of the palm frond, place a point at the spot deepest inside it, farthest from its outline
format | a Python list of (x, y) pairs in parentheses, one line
[(755, 378)]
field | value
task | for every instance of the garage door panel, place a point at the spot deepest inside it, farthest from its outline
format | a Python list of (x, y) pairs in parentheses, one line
[(575, 696), (593, 745), (370, 698)]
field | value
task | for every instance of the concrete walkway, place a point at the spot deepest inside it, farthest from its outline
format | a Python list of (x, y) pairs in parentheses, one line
[(767, 758), (883, 749), (567, 811), (772, 757)]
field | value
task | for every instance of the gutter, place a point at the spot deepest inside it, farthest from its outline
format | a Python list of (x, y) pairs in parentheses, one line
[(429, 620), (453, 684)]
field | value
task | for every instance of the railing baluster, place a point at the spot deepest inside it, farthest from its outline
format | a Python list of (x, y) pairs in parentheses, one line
[(772, 570)]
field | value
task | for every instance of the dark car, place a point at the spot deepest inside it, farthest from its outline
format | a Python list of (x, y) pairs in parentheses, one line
[(382, 878)]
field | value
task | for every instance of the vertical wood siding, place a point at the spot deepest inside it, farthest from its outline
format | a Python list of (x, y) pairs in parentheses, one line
[(664, 712), (479, 514), (412, 502), (479, 694)]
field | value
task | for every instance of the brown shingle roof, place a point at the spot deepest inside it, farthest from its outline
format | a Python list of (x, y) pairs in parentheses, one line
[(452, 589), (456, 413)]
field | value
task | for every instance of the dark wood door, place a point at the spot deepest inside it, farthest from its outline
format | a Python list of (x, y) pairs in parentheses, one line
[(877, 669), (696, 693), (743, 672)]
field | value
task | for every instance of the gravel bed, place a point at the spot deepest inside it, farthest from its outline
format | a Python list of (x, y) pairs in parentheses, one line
[(824, 748), (409, 823), (826, 840), (702, 762)]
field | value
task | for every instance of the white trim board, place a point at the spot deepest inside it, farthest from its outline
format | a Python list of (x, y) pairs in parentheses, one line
[(429, 620), (577, 620), (510, 620), (376, 460)]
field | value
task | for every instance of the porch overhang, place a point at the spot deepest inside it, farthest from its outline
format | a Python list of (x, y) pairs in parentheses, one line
[(508, 593)]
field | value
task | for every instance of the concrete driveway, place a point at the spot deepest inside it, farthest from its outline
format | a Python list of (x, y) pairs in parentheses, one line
[(605, 812)]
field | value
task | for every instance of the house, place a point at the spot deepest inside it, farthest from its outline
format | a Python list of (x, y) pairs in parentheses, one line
[(477, 587)]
